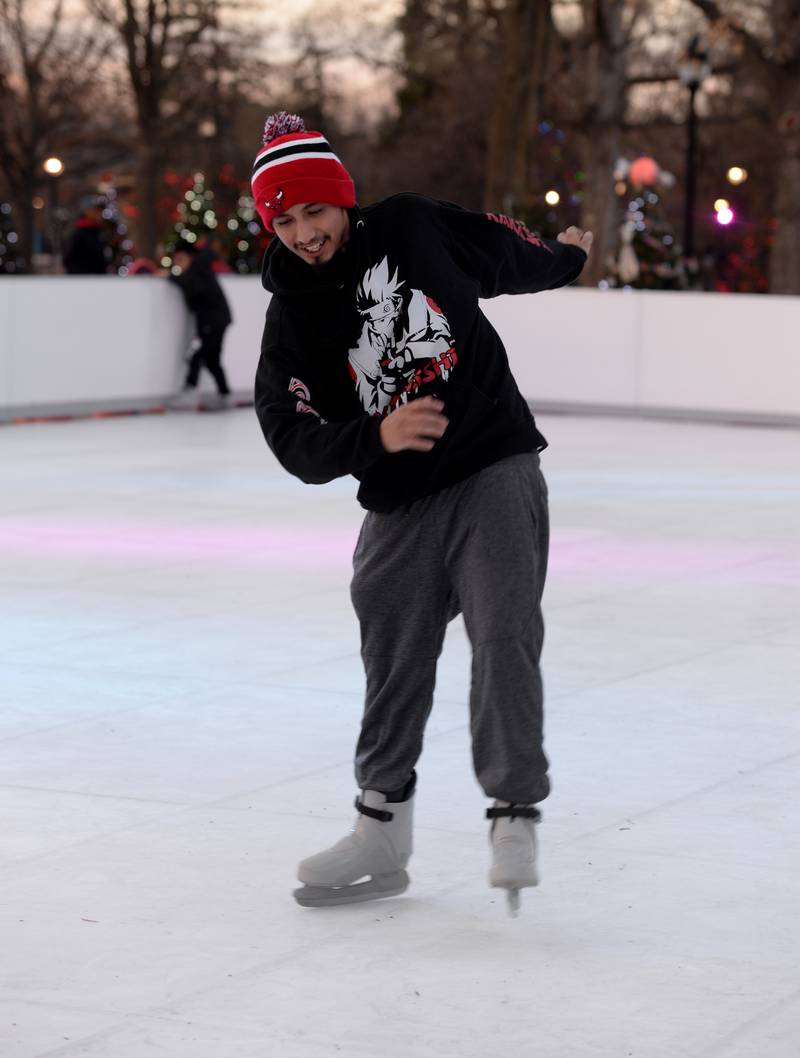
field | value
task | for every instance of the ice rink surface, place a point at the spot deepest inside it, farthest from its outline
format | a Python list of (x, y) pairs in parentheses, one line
[(180, 688)]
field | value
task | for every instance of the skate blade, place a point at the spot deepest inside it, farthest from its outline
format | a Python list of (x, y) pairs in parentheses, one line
[(512, 887), (376, 888)]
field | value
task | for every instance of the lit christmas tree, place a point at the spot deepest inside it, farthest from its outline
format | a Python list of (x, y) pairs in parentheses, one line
[(117, 234), (564, 180), (559, 183), (650, 256), (239, 241), (247, 236), (196, 215)]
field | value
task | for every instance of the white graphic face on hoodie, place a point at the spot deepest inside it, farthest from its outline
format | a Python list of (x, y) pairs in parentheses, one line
[(403, 328)]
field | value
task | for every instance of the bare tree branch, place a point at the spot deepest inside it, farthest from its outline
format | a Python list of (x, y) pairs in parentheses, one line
[(715, 15), (47, 40)]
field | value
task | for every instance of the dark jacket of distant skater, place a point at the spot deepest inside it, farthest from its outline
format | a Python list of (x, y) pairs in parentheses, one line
[(86, 253), (203, 294)]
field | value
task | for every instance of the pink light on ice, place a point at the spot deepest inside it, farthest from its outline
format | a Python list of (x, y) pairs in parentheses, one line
[(639, 560), (284, 546)]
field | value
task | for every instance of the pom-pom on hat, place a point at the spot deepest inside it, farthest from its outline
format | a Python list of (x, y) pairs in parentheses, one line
[(296, 165)]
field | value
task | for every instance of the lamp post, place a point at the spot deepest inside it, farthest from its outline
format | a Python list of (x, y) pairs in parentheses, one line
[(693, 70), (54, 167)]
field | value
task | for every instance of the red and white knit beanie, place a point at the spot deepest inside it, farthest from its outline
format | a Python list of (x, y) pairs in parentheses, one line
[(294, 166)]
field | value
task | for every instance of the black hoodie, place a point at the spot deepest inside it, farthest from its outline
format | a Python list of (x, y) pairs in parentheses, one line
[(395, 316)]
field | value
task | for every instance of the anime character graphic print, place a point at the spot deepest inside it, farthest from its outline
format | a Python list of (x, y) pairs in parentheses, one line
[(405, 341)]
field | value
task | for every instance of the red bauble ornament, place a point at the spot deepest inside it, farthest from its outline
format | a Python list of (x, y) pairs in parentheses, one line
[(644, 172)]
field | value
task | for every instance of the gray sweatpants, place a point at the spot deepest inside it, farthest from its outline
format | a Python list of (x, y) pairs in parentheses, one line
[(477, 548)]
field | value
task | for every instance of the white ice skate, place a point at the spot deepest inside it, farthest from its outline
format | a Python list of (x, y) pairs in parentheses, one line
[(216, 402), (186, 400), (513, 841), (377, 850)]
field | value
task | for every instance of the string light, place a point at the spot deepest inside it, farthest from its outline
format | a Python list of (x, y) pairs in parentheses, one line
[(721, 203), (737, 175), (552, 198)]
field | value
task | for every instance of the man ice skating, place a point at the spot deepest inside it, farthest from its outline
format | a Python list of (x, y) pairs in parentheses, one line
[(376, 361)]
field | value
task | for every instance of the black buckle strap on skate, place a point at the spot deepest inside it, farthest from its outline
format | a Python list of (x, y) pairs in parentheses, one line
[(374, 813), (515, 812)]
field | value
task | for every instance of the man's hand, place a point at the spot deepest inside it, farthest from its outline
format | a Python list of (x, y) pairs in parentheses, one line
[(416, 426), (577, 237)]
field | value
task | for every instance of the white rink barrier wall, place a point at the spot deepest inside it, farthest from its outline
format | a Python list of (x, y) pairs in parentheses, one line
[(74, 345)]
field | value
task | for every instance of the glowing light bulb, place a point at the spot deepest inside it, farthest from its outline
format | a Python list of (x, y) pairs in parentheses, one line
[(54, 166), (725, 216), (737, 175), (721, 203), (552, 198)]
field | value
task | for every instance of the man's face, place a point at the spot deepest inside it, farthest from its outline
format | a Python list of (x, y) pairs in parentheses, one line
[(315, 231)]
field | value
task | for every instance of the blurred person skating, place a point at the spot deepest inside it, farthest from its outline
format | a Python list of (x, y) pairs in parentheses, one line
[(87, 251), (377, 361), (206, 301)]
